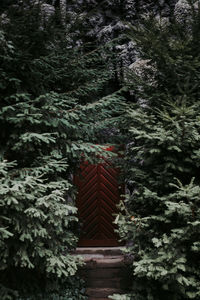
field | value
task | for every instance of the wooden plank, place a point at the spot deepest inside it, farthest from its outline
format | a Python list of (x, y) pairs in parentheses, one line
[(98, 194)]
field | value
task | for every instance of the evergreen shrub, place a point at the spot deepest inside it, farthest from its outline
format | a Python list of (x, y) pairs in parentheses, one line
[(160, 219), (53, 109)]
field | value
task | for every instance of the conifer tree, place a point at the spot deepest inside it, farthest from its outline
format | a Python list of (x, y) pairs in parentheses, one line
[(53, 112), (161, 215)]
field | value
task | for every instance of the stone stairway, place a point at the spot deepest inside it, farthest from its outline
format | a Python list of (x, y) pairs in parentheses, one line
[(105, 272)]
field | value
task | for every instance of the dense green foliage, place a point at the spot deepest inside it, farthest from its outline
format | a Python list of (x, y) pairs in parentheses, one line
[(57, 104), (161, 216), (53, 112)]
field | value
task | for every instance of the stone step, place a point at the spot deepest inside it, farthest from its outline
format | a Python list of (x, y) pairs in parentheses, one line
[(102, 283), (102, 292), (102, 273), (105, 271), (122, 282), (100, 250), (103, 263)]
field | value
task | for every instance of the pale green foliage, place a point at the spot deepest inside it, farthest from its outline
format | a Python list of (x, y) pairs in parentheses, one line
[(35, 215)]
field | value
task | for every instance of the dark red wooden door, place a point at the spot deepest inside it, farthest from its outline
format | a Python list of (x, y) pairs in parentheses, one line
[(98, 195)]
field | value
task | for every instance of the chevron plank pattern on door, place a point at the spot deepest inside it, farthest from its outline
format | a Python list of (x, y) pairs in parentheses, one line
[(98, 195)]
